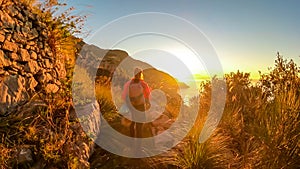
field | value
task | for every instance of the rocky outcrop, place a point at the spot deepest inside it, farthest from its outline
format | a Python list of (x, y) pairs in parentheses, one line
[(27, 62), (30, 66), (89, 115)]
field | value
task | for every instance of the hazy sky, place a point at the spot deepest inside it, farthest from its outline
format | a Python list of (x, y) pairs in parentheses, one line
[(246, 34)]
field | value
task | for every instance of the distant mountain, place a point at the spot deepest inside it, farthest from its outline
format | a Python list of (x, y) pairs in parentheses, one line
[(116, 63), (183, 85)]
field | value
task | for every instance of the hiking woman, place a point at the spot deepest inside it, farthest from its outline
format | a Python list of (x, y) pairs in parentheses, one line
[(136, 94)]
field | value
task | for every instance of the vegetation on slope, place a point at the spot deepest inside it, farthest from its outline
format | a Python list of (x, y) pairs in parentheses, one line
[(260, 127)]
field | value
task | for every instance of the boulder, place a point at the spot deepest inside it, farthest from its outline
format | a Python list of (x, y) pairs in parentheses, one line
[(25, 156), (3, 93), (14, 56), (24, 55), (12, 92), (33, 55), (33, 34), (32, 83), (10, 46), (31, 67), (89, 115), (43, 77), (51, 88), (3, 60), (8, 21), (19, 38), (16, 88), (12, 11), (2, 38)]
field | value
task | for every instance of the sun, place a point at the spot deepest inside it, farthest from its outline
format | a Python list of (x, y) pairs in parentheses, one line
[(179, 65), (166, 54)]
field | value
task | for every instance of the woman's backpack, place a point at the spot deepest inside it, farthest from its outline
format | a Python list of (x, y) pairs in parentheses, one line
[(136, 94)]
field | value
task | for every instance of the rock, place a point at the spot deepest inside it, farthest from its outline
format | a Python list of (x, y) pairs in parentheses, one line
[(89, 114), (16, 88), (24, 55), (12, 10), (60, 69), (7, 21), (31, 67), (3, 60), (12, 72), (57, 82), (15, 66), (18, 28), (21, 17), (14, 56), (44, 77), (40, 45), (31, 43), (28, 24), (19, 37), (32, 83), (33, 34), (43, 53), (2, 38), (3, 93), (51, 88), (25, 31), (21, 23), (30, 14), (2, 72), (12, 47), (25, 156), (48, 52), (5, 99), (42, 25), (33, 55), (8, 37), (44, 33), (47, 63)]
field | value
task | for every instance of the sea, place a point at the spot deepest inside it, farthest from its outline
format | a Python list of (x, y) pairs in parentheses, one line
[(194, 87), (192, 91)]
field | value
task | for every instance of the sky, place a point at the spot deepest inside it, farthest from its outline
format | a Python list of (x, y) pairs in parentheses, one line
[(246, 35)]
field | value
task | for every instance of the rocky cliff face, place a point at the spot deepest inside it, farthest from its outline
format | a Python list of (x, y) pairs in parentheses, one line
[(35, 108), (27, 62)]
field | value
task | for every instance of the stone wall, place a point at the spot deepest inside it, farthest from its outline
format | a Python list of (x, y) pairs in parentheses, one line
[(27, 62), (29, 67)]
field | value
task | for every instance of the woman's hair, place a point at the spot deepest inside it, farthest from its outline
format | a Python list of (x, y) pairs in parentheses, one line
[(138, 74)]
